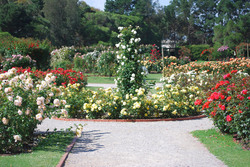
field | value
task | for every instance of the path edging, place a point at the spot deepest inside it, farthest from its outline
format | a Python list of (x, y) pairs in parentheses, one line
[(68, 149), (131, 120)]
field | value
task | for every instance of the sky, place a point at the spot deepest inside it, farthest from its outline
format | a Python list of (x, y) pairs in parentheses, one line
[(99, 4)]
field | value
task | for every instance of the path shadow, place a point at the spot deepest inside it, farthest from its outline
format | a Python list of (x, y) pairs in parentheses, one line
[(88, 142)]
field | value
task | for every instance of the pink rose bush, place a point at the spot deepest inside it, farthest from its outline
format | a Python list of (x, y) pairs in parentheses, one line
[(24, 103)]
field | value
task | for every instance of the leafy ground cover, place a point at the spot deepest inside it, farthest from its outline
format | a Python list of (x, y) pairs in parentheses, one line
[(48, 152), (223, 147)]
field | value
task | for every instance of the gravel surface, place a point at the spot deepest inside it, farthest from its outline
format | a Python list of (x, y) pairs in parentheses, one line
[(139, 144)]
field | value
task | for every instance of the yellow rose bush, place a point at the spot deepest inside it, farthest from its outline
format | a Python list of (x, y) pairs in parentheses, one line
[(24, 103), (168, 102)]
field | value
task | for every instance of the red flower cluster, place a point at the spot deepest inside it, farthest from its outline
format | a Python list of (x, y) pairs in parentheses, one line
[(155, 55), (223, 95), (63, 77), (221, 83), (198, 102), (229, 118), (227, 76)]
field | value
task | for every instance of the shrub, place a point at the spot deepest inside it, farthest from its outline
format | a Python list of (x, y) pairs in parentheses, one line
[(241, 50), (64, 64), (5, 40), (65, 77), (228, 104), (75, 99), (196, 51), (107, 63), (62, 56), (87, 62), (207, 54), (184, 52), (18, 61), (24, 103), (37, 50), (177, 101), (225, 52)]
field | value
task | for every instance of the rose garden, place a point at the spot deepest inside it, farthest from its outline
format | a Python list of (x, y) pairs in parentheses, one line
[(31, 92)]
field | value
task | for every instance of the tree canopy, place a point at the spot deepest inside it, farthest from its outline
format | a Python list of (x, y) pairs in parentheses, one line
[(73, 22)]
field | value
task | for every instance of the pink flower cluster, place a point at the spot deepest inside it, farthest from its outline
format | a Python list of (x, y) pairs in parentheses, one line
[(222, 48)]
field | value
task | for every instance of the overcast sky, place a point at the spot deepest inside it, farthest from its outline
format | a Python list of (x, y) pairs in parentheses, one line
[(99, 4)]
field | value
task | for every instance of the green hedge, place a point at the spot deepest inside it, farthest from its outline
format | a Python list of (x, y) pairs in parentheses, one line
[(196, 51), (37, 50)]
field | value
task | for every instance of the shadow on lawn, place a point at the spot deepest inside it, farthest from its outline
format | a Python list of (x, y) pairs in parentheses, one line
[(53, 141), (89, 142)]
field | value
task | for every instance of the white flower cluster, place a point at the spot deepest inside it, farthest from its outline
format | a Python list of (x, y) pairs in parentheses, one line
[(132, 78), (191, 76)]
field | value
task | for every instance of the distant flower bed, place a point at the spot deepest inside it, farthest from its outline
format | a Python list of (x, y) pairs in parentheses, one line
[(62, 77), (219, 67)]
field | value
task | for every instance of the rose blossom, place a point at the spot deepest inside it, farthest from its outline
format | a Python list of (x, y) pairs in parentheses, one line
[(223, 107), (19, 112), (57, 102), (39, 117), (63, 102), (5, 121), (229, 118), (244, 92), (40, 101), (17, 138)]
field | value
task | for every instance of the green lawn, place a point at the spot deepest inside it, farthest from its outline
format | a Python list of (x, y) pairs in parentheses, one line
[(223, 147), (47, 153), (101, 79), (154, 77), (110, 80), (93, 88)]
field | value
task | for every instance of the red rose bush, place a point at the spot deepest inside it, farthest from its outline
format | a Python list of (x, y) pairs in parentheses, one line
[(228, 104)]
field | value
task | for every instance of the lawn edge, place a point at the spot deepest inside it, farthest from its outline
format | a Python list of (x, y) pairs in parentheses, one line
[(68, 149)]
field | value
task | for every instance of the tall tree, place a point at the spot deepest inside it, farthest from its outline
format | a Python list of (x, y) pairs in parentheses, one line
[(119, 6), (206, 17), (186, 15), (63, 16), (17, 17)]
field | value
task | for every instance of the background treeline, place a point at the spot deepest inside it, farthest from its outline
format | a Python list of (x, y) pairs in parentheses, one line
[(73, 22)]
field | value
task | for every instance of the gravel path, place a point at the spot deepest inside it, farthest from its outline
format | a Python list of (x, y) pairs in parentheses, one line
[(140, 144)]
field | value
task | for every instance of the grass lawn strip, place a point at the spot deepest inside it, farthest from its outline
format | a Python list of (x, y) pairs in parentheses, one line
[(93, 88), (48, 152), (223, 147), (110, 80)]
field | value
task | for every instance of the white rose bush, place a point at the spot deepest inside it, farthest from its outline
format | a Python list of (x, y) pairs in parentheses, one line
[(130, 74), (24, 103)]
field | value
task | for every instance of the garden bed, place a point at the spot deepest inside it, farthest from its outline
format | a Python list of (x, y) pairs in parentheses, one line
[(131, 120)]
